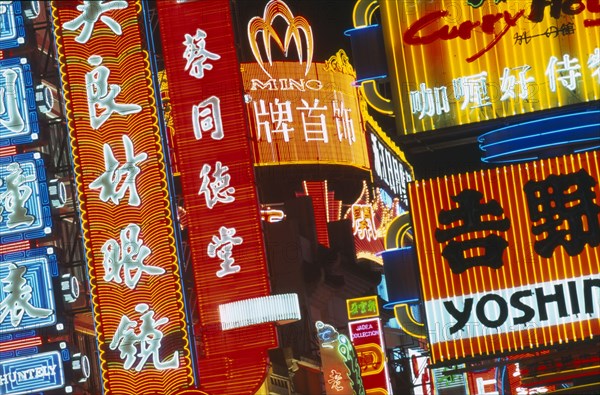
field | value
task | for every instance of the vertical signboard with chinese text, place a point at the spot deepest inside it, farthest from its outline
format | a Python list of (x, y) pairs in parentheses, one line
[(124, 202), (458, 62), (216, 169), (510, 257)]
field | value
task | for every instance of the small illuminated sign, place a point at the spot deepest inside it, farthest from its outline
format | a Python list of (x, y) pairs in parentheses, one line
[(389, 168), (33, 373), (359, 308), (18, 113), (25, 207), (26, 291), (12, 27)]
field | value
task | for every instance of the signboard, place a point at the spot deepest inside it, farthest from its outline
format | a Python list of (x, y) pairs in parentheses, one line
[(455, 63), (217, 177), (12, 26), (25, 206), (301, 111), (32, 373), (18, 114), (509, 257), (124, 202), (367, 337), (420, 373), (27, 295), (359, 308)]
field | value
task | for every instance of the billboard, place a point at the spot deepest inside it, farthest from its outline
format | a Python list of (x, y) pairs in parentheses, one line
[(27, 294), (12, 26), (222, 212), (18, 109), (509, 257), (367, 337), (25, 204), (122, 189), (300, 111), (455, 63), (32, 373)]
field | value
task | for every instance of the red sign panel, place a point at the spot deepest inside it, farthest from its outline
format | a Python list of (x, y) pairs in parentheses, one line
[(215, 164), (367, 337), (123, 197), (510, 257)]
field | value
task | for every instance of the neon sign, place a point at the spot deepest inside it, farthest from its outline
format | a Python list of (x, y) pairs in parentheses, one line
[(39, 372), (12, 28), (18, 115), (24, 199), (26, 290)]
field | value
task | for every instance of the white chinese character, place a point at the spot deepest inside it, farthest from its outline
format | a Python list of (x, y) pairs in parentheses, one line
[(9, 104), (316, 130), (16, 195), (473, 89), (567, 70), (196, 54), (593, 63), (280, 113), (509, 81), (149, 339), (430, 102), (221, 246), (128, 257), (206, 117), (18, 294), (219, 189), (110, 179), (102, 95), (91, 11), (343, 121), (335, 380)]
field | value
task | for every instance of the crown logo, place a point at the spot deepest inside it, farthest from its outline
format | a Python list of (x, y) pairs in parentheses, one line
[(296, 28)]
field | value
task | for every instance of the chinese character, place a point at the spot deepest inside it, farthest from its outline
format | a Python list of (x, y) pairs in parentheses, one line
[(364, 223), (221, 246), (429, 101), (593, 63), (18, 294), (509, 82), (16, 195), (9, 103), (206, 117), (219, 189), (335, 380), (110, 179), (91, 11), (473, 89), (128, 257), (469, 214), (317, 130), (149, 340), (563, 206), (102, 95), (279, 115), (567, 70), (196, 54), (343, 121)]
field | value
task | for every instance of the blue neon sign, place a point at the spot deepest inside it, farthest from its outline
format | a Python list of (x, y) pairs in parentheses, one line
[(18, 108), (25, 206), (26, 292), (12, 25), (33, 373)]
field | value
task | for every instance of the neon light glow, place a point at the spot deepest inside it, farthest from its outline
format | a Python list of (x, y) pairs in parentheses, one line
[(122, 186), (520, 256), (39, 372), (12, 28), (362, 307)]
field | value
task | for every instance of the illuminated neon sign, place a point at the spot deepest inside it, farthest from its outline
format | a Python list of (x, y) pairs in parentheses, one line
[(26, 290), (124, 200), (24, 199), (18, 115), (12, 28), (33, 373)]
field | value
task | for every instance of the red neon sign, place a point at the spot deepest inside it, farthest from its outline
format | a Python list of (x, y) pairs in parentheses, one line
[(215, 164), (122, 186)]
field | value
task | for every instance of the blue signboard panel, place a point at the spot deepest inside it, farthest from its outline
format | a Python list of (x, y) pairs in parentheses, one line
[(34, 373), (27, 295), (18, 109), (12, 26), (25, 210)]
